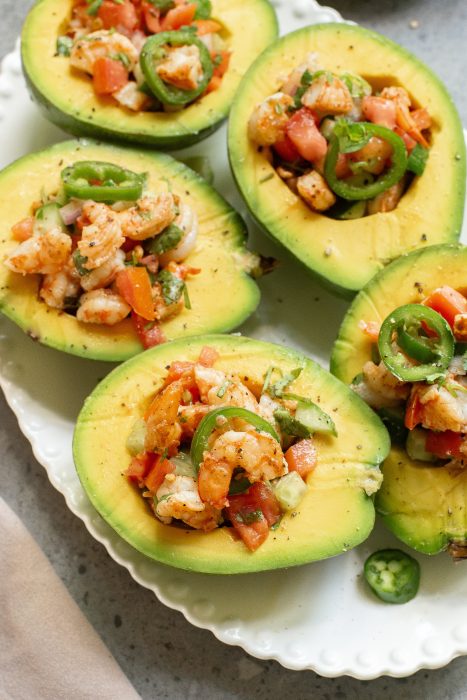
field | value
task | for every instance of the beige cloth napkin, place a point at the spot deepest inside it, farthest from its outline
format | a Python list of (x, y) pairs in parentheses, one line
[(48, 650)]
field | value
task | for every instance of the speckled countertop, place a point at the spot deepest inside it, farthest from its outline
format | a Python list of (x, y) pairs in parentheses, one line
[(161, 653)]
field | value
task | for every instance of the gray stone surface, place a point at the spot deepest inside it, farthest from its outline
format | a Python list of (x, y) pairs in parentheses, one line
[(162, 654)]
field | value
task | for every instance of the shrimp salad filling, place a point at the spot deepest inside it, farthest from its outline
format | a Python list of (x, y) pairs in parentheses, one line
[(149, 55), (417, 380), (107, 248), (346, 149), (214, 449)]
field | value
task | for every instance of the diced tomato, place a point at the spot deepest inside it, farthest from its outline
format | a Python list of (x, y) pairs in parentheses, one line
[(305, 135), (180, 370), (119, 15), (286, 150), (223, 58), (302, 457), (410, 143), (75, 238), (140, 467), (445, 444), (180, 16), (159, 471), (214, 84), (23, 229), (371, 329), (413, 412), (342, 166), (206, 26), (422, 118), (109, 76), (129, 244), (149, 334), (208, 356), (252, 513), (448, 302), (379, 111), (134, 286), (151, 17)]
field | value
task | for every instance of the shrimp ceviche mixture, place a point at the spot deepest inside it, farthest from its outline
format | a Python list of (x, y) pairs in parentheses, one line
[(417, 380), (215, 450), (344, 148), (106, 249), (148, 55)]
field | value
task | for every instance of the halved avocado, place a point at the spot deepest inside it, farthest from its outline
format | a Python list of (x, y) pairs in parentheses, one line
[(345, 254), (222, 296), (335, 515), (67, 97), (424, 506)]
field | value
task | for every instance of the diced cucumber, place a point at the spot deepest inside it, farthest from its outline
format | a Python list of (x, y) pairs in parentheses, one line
[(415, 446), (183, 465), (135, 440), (309, 418), (48, 217), (289, 490), (327, 127)]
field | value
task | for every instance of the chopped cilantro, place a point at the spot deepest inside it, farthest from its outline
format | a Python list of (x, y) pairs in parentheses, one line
[(167, 240), (172, 286), (64, 45)]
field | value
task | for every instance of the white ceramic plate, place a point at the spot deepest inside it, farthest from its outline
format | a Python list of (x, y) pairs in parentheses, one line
[(319, 616)]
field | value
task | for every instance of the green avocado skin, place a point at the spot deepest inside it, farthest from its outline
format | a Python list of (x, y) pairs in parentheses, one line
[(332, 518), (76, 123), (422, 504), (341, 271)]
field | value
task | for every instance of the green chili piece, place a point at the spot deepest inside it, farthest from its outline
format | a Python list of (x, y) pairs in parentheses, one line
[(393, 575), (209, 423), (154, 52), (384, 182), (406, 326), (203, 9), (111, 182), (417, 160), (163, 5)]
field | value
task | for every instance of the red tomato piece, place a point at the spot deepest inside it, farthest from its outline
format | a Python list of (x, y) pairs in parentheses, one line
[(180, 16), (108, 76), (305, 135), (253, 513), (208, 356), (140, 467), (379, 111), (223, 58), (413, 412), (119, 15), (448, 302), (159, 471), (152, 17), (134, 286), (286, 150), (410, 143), (149, 334), (445, 444), (302, 457)]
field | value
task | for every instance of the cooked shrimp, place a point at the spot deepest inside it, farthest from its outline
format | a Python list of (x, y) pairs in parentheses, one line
[(388, 200), (328, 94), (440, 408), (380, 387), (404, 118), (460, 327), (375, 154), (149, 217), (181, 67), (102, 237), (102, 306), (178, 498), (269, 119), (257, 453), (44, 253), (101, 44), (131, 97), (105, 274), (190, 417), (56, 287), (163, 429), (188, 222), (314, 189), (212, 382), (292, 82)]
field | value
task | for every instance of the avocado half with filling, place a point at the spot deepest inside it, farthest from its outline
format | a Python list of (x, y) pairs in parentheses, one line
[(222, 296), (424, 506), (345, 254), (336, 513), (68, 100)]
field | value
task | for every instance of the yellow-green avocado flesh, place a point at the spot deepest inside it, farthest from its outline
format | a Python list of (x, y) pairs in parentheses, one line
[(67, 97), (222, 296), (346, 254), (335, 514), (424, 506)]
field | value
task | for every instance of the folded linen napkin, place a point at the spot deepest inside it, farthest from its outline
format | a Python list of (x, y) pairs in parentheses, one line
[(48, 650)]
